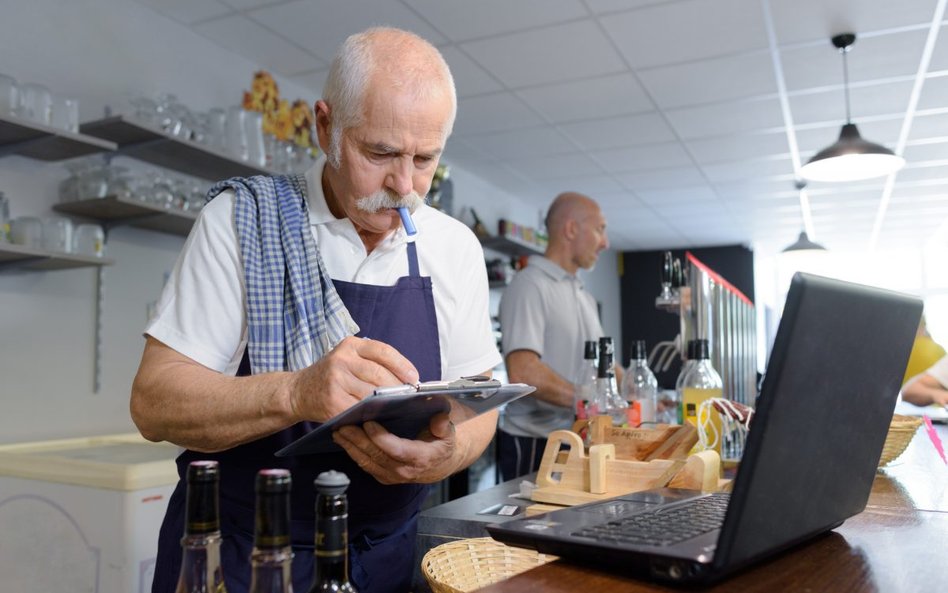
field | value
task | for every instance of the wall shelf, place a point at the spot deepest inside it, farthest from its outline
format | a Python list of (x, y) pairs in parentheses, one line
[(45, 143), (18, 256), (113, 211), (151, 145), (508, 246)]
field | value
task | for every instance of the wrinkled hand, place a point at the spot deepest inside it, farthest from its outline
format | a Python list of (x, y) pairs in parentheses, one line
[(394, 460), (348, 373)]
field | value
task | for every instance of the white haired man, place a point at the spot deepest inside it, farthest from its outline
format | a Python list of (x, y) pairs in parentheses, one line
[(295, 297)]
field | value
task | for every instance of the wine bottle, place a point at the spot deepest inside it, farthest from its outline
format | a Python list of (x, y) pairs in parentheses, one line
[(585, 386), (702, 383), (331, 552), (479, 229), (272, 557), (640, 388), (607, 399), (201, 561)]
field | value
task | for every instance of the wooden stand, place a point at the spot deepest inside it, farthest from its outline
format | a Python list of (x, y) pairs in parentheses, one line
[(619, 461)]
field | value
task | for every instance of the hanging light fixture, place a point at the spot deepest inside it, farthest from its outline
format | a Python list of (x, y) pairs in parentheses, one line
[(803, 242), (850, 158)]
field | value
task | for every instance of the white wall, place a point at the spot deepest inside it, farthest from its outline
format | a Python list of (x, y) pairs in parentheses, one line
[(106, 52)]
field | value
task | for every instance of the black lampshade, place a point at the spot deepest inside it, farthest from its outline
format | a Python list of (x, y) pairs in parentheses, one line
[(803, 243), (851, 158)]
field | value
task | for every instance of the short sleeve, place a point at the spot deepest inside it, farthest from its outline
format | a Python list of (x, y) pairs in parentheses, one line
[(201, 311), (939, 371), (523, 316)]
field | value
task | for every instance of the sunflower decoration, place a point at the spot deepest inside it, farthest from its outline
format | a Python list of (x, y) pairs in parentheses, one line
[(263, 95), (302, 121), (286, 122)]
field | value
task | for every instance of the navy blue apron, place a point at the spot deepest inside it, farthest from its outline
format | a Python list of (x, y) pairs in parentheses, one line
[(382, 519)]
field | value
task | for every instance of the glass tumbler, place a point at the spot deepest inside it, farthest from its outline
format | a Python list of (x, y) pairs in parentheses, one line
[(9, 93), (89, 239), (57, 234), (27, 231), (35, 103), (65, 113)]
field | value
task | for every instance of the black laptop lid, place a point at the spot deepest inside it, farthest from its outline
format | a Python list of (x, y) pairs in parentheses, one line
[(822, 415)]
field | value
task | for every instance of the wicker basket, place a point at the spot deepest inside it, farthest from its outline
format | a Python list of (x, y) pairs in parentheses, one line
[(469, 564), (900, 435)]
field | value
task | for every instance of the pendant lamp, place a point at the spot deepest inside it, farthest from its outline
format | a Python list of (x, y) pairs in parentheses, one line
[(850, 158), (803, 243)]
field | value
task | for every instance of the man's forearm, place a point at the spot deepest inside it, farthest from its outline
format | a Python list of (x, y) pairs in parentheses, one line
[(526, 367), (177, 400)]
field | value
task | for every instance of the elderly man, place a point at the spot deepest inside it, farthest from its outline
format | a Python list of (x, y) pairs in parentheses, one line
[(546, 316), (253, 341)]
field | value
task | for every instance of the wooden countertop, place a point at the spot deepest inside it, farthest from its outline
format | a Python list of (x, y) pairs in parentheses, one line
[(899, 543)]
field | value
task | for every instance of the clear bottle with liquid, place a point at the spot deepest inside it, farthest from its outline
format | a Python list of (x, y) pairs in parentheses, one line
[(331, 550), (201, 545), (608, 401), (585, 385), (271, 560), (702, 382), (640, 388), (673, 408)]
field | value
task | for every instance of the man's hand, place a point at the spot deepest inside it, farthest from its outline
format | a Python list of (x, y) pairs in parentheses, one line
[(348, 373), (393, 460)]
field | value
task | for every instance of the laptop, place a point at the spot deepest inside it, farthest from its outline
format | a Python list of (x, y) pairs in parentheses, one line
[(811, 455)]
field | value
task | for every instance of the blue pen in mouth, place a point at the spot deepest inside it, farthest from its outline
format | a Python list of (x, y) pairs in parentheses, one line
[(407, 222)]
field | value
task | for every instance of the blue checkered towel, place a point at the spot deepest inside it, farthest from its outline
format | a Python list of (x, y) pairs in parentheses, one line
[(294, 313)]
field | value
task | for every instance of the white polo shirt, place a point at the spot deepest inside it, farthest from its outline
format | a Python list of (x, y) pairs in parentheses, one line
[(202, 310), (939, 371), (546, 309)]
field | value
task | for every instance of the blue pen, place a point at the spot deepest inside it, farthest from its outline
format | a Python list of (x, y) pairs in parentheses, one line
[(407, 222)]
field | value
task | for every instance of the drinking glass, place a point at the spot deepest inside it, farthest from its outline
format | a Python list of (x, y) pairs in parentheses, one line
[(9, 93), (35, 103), (65, 113), (256, 153), (27, 231), (89, 239), (57, 234), (237, 133)]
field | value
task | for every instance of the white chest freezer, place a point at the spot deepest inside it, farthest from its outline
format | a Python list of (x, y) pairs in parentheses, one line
[(83, 515)]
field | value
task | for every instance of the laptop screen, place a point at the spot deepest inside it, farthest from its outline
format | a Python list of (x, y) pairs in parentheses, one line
[(821, 417)]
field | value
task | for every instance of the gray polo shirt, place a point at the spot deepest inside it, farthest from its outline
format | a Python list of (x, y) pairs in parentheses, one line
[(546, 309)]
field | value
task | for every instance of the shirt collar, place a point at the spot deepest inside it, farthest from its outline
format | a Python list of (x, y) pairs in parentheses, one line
[(550, 267), (319, 212)]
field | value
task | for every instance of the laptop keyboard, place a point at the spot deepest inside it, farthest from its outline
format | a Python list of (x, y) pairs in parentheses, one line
[(665, 526)]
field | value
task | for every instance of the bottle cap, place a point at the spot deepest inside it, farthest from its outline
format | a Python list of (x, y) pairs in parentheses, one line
[(591, 351), (331, 483), (273, 481), (691, 349), (202, 471), (638, 350), (701, 350)]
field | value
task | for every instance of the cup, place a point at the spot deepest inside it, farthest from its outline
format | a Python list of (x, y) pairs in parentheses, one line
[(89, 239), (35, 103), (256, 153), (27, 231), (65, 113), (9, 93), (57, 234), (4, 218), (237, 133)]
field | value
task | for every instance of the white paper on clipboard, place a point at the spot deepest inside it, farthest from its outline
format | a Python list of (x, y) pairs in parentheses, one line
[(406, 413)]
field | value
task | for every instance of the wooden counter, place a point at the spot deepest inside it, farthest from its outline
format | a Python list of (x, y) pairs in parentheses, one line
[(898, 544)]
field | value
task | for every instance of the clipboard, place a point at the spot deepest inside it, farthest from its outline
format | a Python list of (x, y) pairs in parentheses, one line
[(406, 410)]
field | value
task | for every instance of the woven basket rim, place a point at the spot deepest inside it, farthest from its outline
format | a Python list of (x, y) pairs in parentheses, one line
[(476, 562)]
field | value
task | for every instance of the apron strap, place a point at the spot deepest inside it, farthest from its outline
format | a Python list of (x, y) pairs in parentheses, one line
[(412, 260)]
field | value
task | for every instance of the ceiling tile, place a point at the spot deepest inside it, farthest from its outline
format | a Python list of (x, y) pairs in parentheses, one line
[(522, 143), (712, 80), (920, 153), (556, 166), (737, 147), (491, 113), (723, 119), (688, 195), (814, 20), (248, 4), (605, 96), (940, 54), (684, 31), (661, 178), (189, 11), (618, 132), (242, 36), (934, 92), (460, 21), (747, 169), (469, 78), (591, 185), (870, 58), (604, 6), (552, 54), (641, 158), (929, 126), (865, 101), (322, 25), (458, 150), (910, 174)]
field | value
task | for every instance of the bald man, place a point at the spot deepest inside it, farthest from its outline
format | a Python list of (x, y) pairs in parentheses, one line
[(546, 316)]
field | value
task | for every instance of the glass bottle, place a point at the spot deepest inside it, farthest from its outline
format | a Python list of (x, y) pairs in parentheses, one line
[(674, 407), (640, 388), (201, 561), (607, 400), (331, 560), (583, 395), (272, 557), (702, 383)]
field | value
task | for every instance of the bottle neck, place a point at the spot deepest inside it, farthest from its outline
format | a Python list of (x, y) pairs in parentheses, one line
[(201, 565), (332, 539), (271, 570)]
